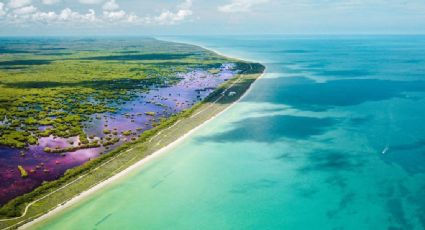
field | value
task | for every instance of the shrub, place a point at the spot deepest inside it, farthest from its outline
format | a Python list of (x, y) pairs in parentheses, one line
[(126, 133), (23, 171), (150, 113), (31, 121)]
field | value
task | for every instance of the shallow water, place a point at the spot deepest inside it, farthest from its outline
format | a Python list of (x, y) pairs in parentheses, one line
[(331, 137)]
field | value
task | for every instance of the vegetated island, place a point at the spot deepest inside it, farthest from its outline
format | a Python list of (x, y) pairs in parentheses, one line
[(78, 111)]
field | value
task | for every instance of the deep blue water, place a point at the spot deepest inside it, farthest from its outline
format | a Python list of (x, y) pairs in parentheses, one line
[(332, 137)]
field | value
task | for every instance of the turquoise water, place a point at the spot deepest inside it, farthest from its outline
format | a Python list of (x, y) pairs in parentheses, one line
[(332, 137)]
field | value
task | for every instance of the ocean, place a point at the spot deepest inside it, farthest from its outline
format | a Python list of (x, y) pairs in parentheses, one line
[(331, 137)]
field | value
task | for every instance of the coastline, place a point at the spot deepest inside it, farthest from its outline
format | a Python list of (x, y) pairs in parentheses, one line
[(121, 174), (232, 56), (130, 169)]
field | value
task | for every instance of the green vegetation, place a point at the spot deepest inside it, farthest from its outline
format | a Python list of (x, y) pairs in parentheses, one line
[(126, 133), (93, 144), (63, 84), (106, 131)]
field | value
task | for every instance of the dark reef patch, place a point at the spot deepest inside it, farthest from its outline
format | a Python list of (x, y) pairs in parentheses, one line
[(305, 94), (273, 128), (330, 160)]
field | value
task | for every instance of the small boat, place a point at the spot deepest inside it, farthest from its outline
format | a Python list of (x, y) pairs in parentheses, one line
[(385, 150)]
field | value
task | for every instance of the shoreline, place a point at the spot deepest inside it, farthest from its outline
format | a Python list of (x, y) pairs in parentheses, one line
[(130, 169), (140, 163), (232, 56)]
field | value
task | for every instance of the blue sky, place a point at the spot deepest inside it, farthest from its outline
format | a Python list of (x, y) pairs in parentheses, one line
[(173, 17)]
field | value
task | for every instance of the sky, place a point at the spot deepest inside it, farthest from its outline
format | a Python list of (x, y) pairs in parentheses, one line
[(210, 17)]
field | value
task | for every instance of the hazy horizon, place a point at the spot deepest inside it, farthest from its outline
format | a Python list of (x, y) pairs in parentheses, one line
[(201, 17)]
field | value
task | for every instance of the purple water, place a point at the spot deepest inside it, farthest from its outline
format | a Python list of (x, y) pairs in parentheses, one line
[(164, 102)]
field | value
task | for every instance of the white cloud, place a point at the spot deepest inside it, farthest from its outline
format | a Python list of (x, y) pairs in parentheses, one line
[(66, 15), (132, 18), (2, 9), (22, 12), (69, 15), (114, 15), (168, 17), (45, 16), (240, 6), (18, 3), (90, 2), (25, 10), (110, 5), (50, 2)]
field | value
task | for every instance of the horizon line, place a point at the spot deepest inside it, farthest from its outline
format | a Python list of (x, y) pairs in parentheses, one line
[(217, 35)]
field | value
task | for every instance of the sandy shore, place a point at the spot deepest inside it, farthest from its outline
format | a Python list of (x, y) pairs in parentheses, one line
[(133, 167)]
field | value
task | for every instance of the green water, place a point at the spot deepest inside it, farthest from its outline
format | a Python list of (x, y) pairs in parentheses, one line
[(331, 138)]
